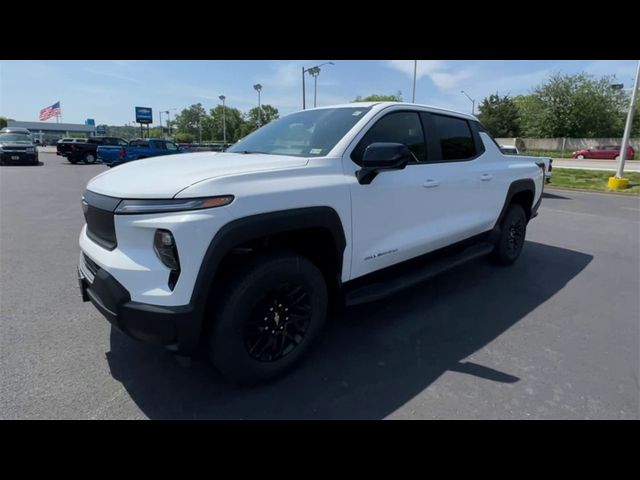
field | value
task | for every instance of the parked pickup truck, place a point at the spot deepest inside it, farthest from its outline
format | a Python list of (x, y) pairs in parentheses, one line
[(136, 150), (85, 150), (240, 252)]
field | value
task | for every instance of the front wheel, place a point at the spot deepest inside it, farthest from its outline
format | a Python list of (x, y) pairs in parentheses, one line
[(272, 310), (513, 230), (580, 157), (617, 157)]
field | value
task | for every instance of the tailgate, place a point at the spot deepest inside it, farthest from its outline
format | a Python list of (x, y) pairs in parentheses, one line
[(109, 153)]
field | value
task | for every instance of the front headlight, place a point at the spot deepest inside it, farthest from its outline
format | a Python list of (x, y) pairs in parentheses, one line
[(31, 149), (129, 207)]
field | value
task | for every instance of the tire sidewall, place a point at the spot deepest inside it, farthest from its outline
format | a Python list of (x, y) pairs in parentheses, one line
[(89, 156), (227, 344), (501, 252)]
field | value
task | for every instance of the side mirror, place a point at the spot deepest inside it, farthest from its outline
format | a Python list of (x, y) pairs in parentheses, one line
[(379, 157)]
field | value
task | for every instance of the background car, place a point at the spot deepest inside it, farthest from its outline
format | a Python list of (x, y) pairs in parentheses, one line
[(509, 150), (16, 146), (604, 151)]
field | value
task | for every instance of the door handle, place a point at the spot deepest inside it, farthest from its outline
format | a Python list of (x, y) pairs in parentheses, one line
[(430, 183), (485, 177)]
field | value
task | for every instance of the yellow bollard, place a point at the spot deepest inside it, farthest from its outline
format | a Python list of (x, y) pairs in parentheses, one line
[(618, 183)]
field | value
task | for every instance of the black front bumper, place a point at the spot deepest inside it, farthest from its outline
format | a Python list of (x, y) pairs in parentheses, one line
[(177, 328), (18, 158)]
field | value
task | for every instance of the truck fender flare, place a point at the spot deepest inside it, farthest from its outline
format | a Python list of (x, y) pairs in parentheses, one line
[(256, 226), (522, 185)]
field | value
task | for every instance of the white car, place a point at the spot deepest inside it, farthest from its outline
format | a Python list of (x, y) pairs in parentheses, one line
[(239, 251)]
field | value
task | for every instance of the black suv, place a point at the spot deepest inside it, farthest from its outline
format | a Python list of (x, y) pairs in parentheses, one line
[(17, 147)]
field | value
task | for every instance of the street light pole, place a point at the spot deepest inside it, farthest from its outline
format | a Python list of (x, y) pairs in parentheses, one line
[(627, 127), (313, 71), (161, 132), (473, 102), (258, 88), (415, 71), (304, 96), (224, 121)]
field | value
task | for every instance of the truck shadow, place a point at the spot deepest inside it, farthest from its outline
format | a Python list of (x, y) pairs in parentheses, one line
[(373, 358)]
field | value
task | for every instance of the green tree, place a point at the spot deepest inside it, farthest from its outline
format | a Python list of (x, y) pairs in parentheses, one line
[(252, 121), (184, 137), (380, 98), (3, 122), (233, 120), (188, 121), (500, 115), (574, 106)]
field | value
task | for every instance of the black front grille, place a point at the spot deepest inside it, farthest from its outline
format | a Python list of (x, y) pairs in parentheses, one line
[(98, 213)]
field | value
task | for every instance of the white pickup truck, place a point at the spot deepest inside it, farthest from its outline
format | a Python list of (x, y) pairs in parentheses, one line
[(240, 252)]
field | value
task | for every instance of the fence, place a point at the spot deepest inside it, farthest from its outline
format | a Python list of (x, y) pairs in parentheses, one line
[(559, 144)]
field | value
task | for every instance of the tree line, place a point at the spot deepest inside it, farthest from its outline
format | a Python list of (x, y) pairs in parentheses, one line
[(574, 106), (194, 123)]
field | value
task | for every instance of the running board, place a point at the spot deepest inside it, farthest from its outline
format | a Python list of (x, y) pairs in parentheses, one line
[(379, 290)]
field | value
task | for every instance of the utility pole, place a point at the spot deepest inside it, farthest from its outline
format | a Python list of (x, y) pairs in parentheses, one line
[(621, 182)]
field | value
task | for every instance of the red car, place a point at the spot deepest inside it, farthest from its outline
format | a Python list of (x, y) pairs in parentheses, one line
[(603, 151)]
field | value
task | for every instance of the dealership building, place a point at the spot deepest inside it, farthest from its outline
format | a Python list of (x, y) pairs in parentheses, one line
[(52, 131)]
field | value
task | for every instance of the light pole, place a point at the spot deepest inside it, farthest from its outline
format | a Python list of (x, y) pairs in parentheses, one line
[(224, 121), (168, 118), (473, 102), (415, 71), (258, 88), (313, 71), (161, 131), (627, 127)]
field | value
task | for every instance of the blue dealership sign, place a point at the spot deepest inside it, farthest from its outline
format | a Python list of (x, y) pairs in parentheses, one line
[(90, 121), (144, 115), (101, 129)]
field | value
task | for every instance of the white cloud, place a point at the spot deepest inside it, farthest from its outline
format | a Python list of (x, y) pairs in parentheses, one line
[(283, 75), (445, 75)]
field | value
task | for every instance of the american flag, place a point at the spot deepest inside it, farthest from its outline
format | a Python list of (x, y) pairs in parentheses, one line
[(51, 111)]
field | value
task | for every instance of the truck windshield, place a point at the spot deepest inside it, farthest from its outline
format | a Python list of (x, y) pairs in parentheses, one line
[(15, 137), (310, 133)]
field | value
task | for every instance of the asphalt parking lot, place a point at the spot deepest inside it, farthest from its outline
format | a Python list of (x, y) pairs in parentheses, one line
[(555, 336)]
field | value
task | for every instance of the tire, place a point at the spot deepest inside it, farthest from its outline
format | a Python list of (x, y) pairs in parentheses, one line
[(35, 162), (580, 157), (89, 158), (617, 157), (513, 230), (243, 346)]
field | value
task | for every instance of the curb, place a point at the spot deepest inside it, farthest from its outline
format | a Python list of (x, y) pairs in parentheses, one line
[(566, 189)]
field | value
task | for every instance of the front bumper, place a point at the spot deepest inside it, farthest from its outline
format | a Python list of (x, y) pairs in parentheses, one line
[(17, 158), (176, 328)]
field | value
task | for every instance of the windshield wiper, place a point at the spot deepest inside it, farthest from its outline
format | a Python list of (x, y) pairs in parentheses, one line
[(247, 152)]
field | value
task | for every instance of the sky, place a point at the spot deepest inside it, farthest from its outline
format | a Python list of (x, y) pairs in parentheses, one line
[(108, 90)]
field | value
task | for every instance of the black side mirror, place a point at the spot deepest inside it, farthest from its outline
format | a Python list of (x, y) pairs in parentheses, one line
[(379, 157)]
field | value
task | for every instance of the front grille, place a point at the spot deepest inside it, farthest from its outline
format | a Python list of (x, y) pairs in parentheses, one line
[(12, 148), (98, 213)]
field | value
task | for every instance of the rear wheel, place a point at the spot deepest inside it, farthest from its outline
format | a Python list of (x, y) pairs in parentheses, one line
[(513, 230), (580, 157), (272, 310), (89, 158)]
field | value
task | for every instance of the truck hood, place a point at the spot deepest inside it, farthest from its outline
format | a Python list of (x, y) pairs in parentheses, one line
[(164, 177)]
